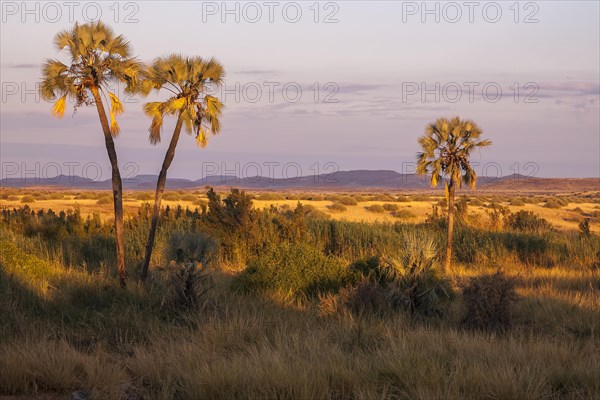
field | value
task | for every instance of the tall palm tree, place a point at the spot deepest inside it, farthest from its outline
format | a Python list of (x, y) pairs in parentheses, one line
[(447, 145), (97, 59), (187, 80)]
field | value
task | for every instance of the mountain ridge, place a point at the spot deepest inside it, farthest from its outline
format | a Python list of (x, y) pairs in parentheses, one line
[(353, 179)]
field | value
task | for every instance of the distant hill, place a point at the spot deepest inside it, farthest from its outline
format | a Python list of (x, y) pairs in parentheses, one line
[(342, 180)]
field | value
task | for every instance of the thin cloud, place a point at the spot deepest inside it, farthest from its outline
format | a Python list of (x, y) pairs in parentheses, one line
[(23, 66)]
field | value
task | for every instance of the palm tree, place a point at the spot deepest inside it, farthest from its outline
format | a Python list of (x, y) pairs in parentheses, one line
[(97, 59), (187, 80), (447, 145)]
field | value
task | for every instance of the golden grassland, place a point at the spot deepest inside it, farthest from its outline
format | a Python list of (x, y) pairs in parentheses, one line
[(567, 217), (66, 329), (242, 346)]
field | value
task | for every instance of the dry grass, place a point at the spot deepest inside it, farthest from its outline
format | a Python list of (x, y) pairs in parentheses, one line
[(242, 346)]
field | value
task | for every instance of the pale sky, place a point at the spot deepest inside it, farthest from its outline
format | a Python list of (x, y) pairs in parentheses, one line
[(359, 88)]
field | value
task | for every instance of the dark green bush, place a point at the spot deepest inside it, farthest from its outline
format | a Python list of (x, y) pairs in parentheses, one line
[(527, 221), (295, 269)]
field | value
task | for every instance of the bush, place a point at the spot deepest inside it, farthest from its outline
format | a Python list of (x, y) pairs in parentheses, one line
[(359, 198), (144, 196), (403, 199), (383, 197), (270, 197), (527, 221), (104, 200), (476, 203), (171, 196), (189, 197), (365, 297), (517, 202), (584, 228), (28, 199), (191, 247), (489, 299), (390, 207), (295, 269), (552, 203), (403, 214), (347, 201), (413, 282), (337, 207), (375, 208)]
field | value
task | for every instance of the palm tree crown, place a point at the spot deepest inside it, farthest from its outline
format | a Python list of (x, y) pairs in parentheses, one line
[(187, 78), (98, 57), (447, 145)]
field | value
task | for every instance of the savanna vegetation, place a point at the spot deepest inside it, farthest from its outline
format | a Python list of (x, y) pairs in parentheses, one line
[(288, 303), (287, 295)]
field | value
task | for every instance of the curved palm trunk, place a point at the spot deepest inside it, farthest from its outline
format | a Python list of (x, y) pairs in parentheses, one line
[(160, 188), (448, 259), (117, 186)]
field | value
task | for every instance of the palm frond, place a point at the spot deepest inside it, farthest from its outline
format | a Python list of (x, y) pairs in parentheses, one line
[(60, 106)]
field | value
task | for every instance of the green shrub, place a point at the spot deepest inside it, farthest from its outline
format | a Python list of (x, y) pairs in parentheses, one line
[(295, 269), (375, 208), (527, 221), (489, 299), (337, 207), (413, 281), (191, 247), (28, 199)]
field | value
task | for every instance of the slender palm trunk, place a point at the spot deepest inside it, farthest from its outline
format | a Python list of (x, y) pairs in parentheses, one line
[(448, 259), (117, 186), (160, 188)]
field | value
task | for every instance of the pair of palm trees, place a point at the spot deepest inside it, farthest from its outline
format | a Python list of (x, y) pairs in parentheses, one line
[(99, 58)]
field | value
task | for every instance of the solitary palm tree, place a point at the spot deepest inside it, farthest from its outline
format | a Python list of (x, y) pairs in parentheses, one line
[(187, 80), (97, 58), (447, 145)]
